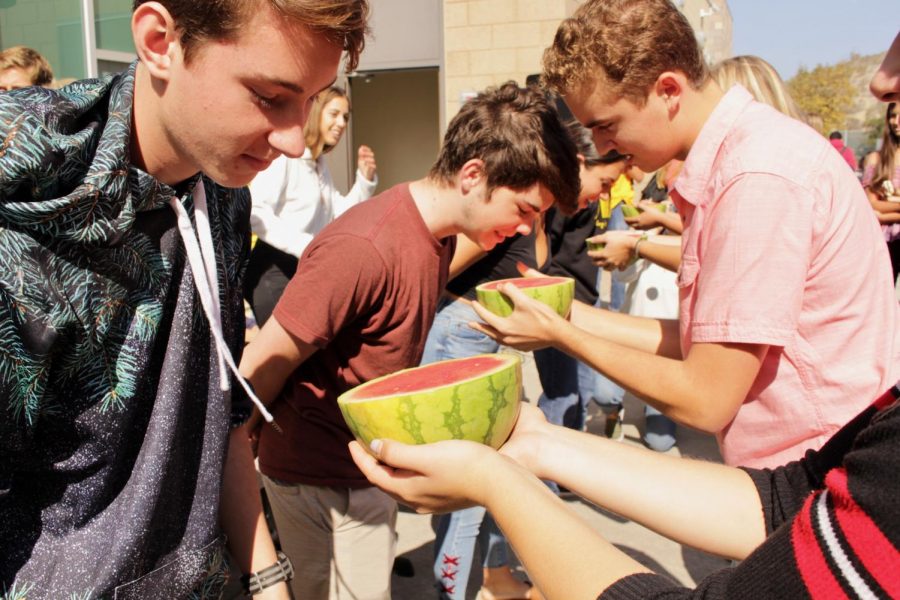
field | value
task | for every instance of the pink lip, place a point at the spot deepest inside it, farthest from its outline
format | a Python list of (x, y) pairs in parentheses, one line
[(257, 163)]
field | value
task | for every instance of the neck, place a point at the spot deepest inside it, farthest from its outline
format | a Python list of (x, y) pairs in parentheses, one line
[(701, 106), (152, 149), (439, 206)]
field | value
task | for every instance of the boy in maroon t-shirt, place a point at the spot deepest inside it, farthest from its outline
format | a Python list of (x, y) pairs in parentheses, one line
[(360, 306)]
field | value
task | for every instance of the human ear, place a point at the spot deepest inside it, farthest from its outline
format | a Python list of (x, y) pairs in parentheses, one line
[(670, 87), (471, 174), (155, 38)]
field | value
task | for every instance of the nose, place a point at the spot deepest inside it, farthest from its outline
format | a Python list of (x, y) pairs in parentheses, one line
[(602, 144), (286, 135), (525, 226), (885, 85)]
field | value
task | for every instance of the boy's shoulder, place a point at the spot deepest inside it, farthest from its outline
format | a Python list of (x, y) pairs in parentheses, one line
[(388, 210), (765, 142)]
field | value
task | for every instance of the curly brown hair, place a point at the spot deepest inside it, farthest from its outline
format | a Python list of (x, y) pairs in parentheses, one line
[(519, 136), (625, 44), (342, 21)]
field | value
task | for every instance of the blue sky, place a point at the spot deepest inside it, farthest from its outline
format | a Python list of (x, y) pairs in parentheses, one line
[(794, 33)]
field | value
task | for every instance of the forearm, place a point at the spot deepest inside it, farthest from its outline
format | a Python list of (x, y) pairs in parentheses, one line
[(270, 359), (671, 221), (667, 494), (559, 542), (653, 336), (886, 218), (688, 391), (879, 204), (362, 190), (667, 256), (240, 514)]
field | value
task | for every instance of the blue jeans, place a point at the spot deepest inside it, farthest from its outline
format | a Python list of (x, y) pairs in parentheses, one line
[(617, 291), (454, 544), (568, 386)]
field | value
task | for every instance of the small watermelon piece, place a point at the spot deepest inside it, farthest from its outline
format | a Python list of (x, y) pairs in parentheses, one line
[(474, 398), (555, 292), (629, 211)]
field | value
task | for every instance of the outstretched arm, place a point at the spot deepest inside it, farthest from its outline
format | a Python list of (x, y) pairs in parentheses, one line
[(707, 506), (689, 390), (620, 247)]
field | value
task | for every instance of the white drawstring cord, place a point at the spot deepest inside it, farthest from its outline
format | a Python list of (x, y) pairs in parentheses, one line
[(202, 259), (201, 216)]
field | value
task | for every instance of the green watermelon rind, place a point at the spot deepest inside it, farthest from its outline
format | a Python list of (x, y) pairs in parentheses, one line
[(629, 211), (481, 409), (557, 296)]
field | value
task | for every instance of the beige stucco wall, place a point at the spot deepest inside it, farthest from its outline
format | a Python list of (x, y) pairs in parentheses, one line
[(487, 42), (711, 20)]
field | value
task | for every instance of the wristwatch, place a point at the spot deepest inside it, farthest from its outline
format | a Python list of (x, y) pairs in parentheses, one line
[(256, 582)]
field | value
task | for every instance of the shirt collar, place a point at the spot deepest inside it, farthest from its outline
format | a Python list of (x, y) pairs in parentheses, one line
[(694, 178)]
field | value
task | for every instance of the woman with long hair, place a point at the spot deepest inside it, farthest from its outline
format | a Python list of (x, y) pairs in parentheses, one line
[(295, 198), (761, 80), (881, 178)]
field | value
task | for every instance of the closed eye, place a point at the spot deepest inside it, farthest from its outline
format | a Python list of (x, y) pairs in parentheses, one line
[(265, 102)]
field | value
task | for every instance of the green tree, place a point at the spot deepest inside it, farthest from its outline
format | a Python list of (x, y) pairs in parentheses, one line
[(825, 91)]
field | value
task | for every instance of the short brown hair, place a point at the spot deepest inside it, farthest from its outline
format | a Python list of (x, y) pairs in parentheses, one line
[(627, 42), (342, 21), (518, 135), (35, 66)]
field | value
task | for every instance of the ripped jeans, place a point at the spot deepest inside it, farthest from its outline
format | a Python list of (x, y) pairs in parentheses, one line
[(451, 337)]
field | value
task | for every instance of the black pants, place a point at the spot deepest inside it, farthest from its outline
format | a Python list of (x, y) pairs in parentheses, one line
[(268, 273), (894, 250)]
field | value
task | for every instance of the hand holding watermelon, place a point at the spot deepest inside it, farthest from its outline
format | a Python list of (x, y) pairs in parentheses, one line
[(524, 443), (431, 478), (530, 326), (647, 217), (454, 474), (618, 250)]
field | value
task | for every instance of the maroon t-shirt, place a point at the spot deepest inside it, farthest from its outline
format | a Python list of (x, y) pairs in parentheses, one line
[(365, 294)]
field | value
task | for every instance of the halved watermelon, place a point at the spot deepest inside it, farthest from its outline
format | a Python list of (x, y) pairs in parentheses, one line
[(555, 292), (474, 398)]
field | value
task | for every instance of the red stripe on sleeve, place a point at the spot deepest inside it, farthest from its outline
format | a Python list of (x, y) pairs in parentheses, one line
[(871, 546), (814, 569), (886, 399)]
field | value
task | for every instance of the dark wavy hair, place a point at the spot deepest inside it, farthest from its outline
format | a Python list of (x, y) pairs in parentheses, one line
[(519, 136)]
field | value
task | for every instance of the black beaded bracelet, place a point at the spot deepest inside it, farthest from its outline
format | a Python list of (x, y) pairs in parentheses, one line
[(256, 582)]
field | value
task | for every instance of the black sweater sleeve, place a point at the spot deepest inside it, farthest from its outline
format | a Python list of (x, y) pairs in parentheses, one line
[(833, 521)]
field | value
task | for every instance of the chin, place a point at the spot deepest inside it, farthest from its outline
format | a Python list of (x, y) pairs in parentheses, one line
[(232, 179), (488, 245)]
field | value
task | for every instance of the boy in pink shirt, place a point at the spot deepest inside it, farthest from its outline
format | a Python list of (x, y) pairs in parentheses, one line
[(788, 321)]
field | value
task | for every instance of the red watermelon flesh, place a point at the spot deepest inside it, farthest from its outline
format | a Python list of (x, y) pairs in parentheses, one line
[(524, 282), (429, 376)]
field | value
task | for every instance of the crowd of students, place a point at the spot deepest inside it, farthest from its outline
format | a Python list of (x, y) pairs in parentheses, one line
[(134, 411)]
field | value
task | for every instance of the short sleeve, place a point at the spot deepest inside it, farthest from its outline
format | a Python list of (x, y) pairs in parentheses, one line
[(340, 278), (756, 248)]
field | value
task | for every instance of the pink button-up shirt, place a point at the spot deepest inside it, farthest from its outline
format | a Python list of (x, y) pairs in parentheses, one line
[(780, 247)]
